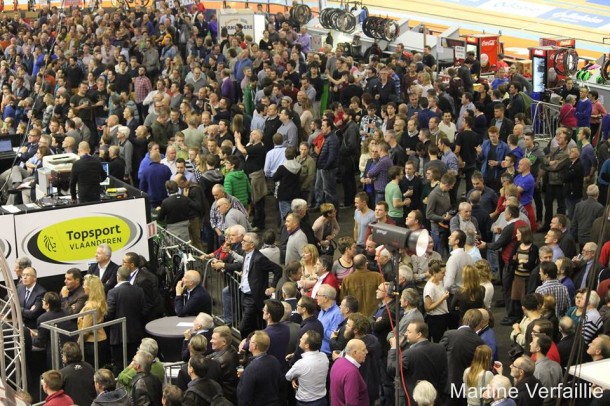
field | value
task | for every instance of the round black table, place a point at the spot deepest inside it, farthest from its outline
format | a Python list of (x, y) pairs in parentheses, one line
[(169, 334)]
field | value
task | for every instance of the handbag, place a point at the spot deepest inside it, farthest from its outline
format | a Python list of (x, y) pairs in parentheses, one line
[(515, 351)]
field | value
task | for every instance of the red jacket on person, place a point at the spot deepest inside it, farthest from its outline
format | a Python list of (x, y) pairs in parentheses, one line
[(59, 398)]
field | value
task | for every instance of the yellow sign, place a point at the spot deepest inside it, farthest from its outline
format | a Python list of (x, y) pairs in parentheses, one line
[(77, 239)]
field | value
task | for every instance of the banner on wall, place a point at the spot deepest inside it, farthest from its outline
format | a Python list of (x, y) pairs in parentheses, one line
[(66, 238), (8, 245), (253, 24)]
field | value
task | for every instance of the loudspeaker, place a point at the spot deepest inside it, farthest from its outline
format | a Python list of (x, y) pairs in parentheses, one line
[(399, 237)]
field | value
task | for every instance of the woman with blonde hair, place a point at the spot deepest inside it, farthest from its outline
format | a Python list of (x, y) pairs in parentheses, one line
[(96, 300), (326, 228), (478, 375), (306, 112), (309, 258), (470, 295), (484, 269)]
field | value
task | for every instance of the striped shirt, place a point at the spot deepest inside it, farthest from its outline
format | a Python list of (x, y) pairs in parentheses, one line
[(559, 292)]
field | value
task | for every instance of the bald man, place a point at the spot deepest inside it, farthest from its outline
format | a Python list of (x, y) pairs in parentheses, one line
[(191, 296), (87, 174), (526, 184)]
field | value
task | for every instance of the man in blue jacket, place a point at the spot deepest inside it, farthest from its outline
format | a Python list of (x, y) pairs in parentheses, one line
[(327, 164), (492, 153)]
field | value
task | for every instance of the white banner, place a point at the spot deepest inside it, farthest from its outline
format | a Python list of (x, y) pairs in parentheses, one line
[(61, 239)]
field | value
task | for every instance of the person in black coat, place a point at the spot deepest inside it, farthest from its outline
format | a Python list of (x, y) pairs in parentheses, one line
[(29, 294), (125, 300), (147, 281), (573, 181), (460, 345), (146, 388), (423, 360), (196, 299), (256, 267), (78, 375), (203, 325), (228, 359), (202, 389), (116, 164), (104, 268), (349, 151), (87, 174), (41, 337), (260, 382), (522, 371)]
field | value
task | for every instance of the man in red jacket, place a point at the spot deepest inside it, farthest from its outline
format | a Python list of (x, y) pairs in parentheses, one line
[(52, 382)]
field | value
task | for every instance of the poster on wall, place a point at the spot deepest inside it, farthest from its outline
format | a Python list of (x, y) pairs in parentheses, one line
[(253, 24), (68, 238), (7, 240)]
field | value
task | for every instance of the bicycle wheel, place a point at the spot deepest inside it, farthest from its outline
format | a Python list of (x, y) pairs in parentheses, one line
[(145, 3)]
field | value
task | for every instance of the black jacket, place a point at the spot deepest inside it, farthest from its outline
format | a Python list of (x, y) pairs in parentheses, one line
[(126, 301), (78, 382), (198, 301), (206, 386), (109, 276), (573, 180), (228, 361), (146, 390), (460, 345), (153, 308), (87, 173), (32, 309)]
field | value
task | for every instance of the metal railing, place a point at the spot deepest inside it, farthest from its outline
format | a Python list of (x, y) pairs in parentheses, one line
[(12, 342), (545, 119), (55, 331), (222, 287)]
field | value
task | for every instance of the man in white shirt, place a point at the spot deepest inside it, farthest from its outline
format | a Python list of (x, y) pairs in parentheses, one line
[(308, 375), (170, 159), (456, 262)]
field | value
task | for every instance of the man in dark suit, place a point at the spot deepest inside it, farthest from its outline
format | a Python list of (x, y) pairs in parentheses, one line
[(87, 173), (30, 296), (125, 300), (460, 345), (254, 284), (153, 307), (196, 299), (586, 265), (104, 268), (423, 360)]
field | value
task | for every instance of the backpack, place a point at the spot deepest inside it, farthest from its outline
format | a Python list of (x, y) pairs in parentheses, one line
[(527, 101), (218, 400)]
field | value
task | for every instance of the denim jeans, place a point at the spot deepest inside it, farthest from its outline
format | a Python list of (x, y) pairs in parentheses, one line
[(284, 209), (227, 305), (329, 185), (439, 238), (318, 191)]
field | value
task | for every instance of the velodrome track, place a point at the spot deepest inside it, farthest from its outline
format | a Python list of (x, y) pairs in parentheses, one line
[(584, 20)]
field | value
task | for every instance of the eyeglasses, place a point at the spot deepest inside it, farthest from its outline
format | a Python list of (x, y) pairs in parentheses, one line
[(514, 366), (299, 305), (27, 275)]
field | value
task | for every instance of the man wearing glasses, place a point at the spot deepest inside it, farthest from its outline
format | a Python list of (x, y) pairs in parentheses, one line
[(30, 296), (522, 371)]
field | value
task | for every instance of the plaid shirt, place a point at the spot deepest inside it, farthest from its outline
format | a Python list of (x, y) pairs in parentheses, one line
[(217, 220), (142, 87), (559, 291)]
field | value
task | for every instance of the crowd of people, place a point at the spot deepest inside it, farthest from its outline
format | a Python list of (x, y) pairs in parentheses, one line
[(215, 128)]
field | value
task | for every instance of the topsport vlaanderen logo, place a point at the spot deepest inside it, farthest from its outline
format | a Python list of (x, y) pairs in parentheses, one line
[(73, 241), (5, 248)]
